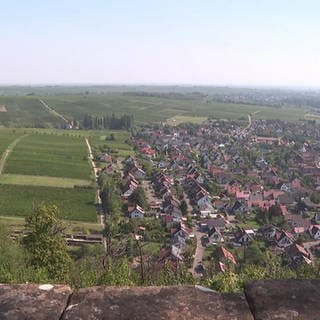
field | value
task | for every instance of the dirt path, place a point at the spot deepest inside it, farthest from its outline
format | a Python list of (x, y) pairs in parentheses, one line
[(55, 113), (95, 170), (249, 125), (8, 151)]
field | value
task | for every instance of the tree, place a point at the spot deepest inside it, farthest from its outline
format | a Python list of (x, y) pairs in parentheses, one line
[(275, 215), (147, 167), (184, 207), (315, 197), (253, 254), (45, 244), (138, 196), (11, 257), (227, 281)]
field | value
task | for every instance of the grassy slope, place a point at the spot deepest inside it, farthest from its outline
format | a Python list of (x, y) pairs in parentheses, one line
[(74, 204)]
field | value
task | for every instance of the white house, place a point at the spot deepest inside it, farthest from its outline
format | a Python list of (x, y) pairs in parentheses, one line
[(243, 237), (136, 212), (204, 201), (314, 231)]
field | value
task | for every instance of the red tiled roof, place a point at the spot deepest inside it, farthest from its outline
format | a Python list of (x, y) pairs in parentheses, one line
[(224, 253)]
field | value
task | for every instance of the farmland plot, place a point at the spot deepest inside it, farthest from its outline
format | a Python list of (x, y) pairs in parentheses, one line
[(74, 204), (50, 155)]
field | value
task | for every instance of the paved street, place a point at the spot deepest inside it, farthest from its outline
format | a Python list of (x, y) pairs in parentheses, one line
[(199, 252)]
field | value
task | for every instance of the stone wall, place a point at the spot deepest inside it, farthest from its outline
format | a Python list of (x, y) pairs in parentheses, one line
[(263, 300)]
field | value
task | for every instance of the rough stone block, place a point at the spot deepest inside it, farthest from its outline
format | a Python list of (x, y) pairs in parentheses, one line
[(176, 302), (30, 301), (286, 299)]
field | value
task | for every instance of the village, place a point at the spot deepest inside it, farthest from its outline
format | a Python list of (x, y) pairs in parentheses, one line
[(224, 193)]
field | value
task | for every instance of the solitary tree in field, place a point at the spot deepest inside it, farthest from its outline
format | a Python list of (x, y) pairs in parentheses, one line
[(46, 247)]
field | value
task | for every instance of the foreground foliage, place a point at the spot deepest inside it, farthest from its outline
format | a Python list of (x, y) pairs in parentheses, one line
[(42, 256)]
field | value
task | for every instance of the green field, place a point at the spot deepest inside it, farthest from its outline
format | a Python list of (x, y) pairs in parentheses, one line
[(17, 223), (184, 119), (118, 147), (26, 111), (7, 136), (47, 164), (74, 204), (25, 180), (98, 138), (155, 109), (50, 155)]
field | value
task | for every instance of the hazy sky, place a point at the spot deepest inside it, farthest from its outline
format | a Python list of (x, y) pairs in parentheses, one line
[(212, 42)]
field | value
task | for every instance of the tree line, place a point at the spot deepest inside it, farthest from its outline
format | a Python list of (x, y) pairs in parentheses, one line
[(112, 121)]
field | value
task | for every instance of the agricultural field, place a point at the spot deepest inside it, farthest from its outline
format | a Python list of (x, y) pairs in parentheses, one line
[(184, 119), (117, 147), (312, 117), (45, 181), (50, 155), (26, 111), (156, 109), (46, 167), (51, 166), (74, 204), (7, 136)]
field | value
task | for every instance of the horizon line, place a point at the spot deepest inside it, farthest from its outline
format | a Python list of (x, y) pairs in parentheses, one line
[(197, 85)]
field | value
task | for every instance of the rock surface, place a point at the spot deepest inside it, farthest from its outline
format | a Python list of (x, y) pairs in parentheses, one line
[(286, 299), (262, 300), (38, 302), (176, 302)]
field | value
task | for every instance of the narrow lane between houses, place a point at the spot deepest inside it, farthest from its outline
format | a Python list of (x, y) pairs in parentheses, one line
[(198, 256)]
